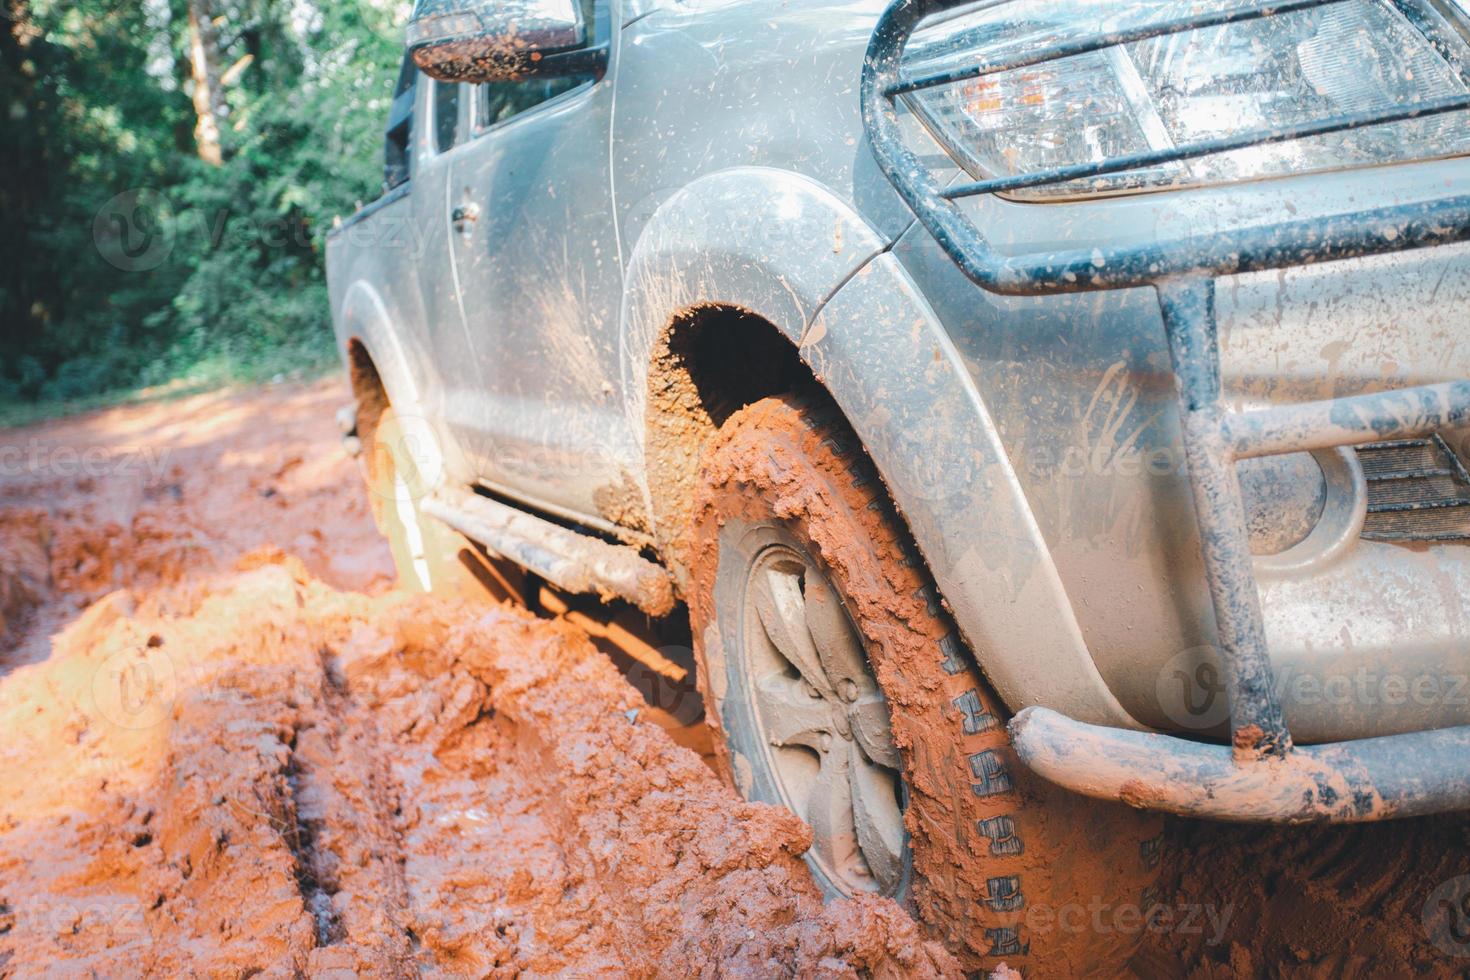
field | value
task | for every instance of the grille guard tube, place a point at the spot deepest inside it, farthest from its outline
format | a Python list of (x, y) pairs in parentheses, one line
[(1345, 782)]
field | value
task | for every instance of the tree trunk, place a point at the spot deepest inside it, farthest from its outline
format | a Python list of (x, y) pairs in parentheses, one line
[(208, 94)]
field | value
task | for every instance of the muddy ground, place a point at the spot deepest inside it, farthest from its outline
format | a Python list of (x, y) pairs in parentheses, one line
[(229, 746)]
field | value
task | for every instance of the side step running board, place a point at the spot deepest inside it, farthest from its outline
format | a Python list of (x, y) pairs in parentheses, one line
[(570, 561)]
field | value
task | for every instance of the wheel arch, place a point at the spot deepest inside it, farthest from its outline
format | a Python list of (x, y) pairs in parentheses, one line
[(381, 372), (371, 348), (736, 263), (779, 267)]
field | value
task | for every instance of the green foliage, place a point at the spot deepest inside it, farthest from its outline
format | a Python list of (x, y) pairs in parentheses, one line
[(217, 273)]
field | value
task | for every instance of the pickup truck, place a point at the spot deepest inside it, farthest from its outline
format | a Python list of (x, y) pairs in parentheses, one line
[(1048, 415)]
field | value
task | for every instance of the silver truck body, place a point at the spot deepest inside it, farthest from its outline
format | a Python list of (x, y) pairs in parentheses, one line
[(1031, 443)]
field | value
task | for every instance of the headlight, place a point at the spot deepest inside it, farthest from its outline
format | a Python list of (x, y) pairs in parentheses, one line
[(1157, 94)]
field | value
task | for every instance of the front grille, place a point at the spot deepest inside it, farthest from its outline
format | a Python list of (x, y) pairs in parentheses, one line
[(1418, 490)]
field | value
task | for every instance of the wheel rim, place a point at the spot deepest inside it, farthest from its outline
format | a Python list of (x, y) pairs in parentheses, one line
[(823, 722)]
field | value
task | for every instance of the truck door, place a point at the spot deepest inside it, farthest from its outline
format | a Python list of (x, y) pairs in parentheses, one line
[(458, 388), (536, 255)]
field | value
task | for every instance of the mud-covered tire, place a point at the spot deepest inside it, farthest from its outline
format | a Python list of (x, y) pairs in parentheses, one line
[(427, 555), (1006, 868)]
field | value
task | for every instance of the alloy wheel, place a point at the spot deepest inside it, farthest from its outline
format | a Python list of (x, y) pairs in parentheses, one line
[(823, 722)]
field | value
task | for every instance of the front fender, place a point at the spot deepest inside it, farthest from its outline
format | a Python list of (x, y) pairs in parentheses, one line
[(882, 353)]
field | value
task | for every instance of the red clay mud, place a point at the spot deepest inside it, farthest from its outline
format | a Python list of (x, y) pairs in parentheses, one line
[(230, 767), (229, 747)]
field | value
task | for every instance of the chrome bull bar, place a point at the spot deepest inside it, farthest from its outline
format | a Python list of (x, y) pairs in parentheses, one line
[(1260, 775)]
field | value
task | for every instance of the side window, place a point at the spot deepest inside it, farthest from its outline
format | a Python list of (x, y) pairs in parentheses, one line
[(496, 102), (398, 148), (446, 115)]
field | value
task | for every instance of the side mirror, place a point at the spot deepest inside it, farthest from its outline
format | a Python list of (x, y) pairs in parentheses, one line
[(480, 41)]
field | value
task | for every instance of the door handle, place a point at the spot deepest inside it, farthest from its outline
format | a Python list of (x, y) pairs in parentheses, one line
[(464, 216)]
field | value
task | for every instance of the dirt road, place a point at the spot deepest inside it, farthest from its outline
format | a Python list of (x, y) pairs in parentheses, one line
[(229, 746)]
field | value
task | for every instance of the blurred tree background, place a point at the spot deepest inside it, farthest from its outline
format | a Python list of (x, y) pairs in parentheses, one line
[(170, 171)]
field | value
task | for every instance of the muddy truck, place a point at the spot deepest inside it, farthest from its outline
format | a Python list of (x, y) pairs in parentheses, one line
[(1049, 416)]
